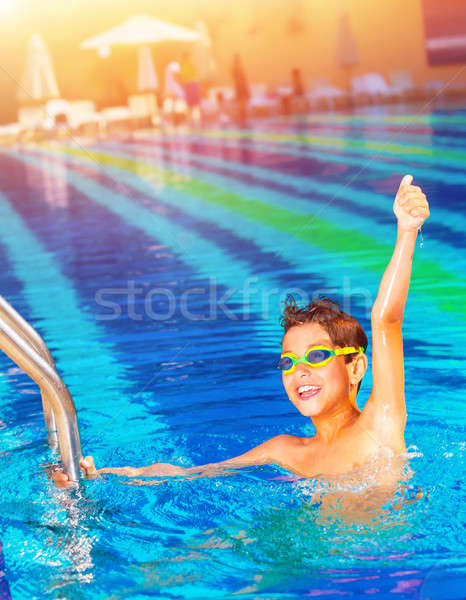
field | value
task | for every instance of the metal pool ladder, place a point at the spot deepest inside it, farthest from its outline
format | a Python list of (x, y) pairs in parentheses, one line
[(28, 350)]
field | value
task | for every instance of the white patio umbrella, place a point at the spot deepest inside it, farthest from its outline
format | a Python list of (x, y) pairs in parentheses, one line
[(142, 30), (38, 81)]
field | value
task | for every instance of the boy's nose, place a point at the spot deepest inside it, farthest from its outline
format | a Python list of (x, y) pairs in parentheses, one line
[(302, 370)]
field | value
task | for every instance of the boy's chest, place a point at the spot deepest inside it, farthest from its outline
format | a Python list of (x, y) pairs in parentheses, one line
[(316, 458)]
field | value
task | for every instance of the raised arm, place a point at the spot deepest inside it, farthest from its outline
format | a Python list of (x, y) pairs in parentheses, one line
[(385, 407)]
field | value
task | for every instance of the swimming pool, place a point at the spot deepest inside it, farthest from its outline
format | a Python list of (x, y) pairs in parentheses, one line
[(153, 266)]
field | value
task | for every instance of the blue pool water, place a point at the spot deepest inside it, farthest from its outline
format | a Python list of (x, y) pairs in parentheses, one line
[(153, 266)]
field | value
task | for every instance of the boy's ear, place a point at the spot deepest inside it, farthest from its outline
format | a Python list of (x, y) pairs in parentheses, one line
[(358, 367)]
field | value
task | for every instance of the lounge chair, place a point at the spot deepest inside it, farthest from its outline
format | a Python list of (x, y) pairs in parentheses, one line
[(31, 116), (117, 120), (84, 118), (372, 88), (262, 103), (402, 85), (9, 133), (174, 110), (325, 96), (144, 108)]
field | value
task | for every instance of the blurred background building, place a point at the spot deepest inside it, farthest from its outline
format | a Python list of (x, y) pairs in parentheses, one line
[(424, 38)]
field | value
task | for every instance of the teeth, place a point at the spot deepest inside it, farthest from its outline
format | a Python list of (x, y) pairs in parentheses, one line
[(308, 388)]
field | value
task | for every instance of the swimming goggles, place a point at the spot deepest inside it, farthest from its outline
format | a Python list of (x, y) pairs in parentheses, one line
[(316, 356)]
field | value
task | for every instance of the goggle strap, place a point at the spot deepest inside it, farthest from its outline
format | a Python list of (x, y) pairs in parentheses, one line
[(349, 350)]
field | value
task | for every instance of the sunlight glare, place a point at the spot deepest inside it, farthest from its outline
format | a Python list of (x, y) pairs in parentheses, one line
[(6, 5)]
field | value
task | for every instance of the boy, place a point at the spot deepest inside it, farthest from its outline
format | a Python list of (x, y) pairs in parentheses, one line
[(323, 363)]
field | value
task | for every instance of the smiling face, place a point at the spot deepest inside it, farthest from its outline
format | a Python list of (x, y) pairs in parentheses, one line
[(315, 391)]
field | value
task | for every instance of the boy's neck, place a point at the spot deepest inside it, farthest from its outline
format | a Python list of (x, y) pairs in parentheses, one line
[(329, 426)]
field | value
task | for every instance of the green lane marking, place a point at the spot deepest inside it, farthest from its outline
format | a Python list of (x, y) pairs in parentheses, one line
[(443, 287), (451, 156)]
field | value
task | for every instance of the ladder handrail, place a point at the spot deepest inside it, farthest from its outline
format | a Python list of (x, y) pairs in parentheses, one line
[(21, 326), (30, 335), (26, 356)]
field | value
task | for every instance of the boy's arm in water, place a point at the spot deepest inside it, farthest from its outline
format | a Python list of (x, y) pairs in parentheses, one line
[(269, 452), (385, 409)]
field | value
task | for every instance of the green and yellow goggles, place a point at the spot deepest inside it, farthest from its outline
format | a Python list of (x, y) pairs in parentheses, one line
[(316, 356)]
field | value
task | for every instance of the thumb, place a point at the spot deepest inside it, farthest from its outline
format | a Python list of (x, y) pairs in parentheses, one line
[(407, 179), (88, 463)]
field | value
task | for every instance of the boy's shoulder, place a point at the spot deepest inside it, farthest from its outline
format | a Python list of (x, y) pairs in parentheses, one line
[(284, 446), (285, 439), (292, 452)]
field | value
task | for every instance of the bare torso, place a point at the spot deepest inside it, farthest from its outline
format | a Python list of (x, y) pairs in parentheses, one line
[(352, 449)]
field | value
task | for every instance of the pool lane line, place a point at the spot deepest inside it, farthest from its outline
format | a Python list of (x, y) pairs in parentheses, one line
[(299, 187), (420, 153), (441, 320), (294, 250), (349, 131), (290, 249), (448, 137), (446, 295), (445, 232), (172, 356), (176, 207), (361, 223), (445, 228), (413, 119), (55, 310), (244, 229), (374, 163), (199, 253), (320, 233)]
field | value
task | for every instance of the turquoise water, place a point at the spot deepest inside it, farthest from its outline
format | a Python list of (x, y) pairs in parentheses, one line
[(152, 266)]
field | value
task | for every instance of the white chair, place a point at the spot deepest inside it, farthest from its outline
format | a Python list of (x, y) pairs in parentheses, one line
[(144, 108), (31, 116), (261, 102), (56, 113), (81, 111), (372, 88), (401, 81), (174, 111), (84, 118), (402, 85), (116, 119), (9, 133), (324, 95)]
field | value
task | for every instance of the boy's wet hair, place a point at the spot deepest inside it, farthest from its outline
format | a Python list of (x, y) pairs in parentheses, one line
[(342, 328)]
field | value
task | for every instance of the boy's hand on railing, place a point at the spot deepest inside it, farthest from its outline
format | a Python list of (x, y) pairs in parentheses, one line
[(62, 479), (410, 207)]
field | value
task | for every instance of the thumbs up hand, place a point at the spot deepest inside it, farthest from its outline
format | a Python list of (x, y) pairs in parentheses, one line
[(410, 207)]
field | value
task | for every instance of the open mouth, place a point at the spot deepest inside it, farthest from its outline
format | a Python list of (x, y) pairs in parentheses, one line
[(308, 391)]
